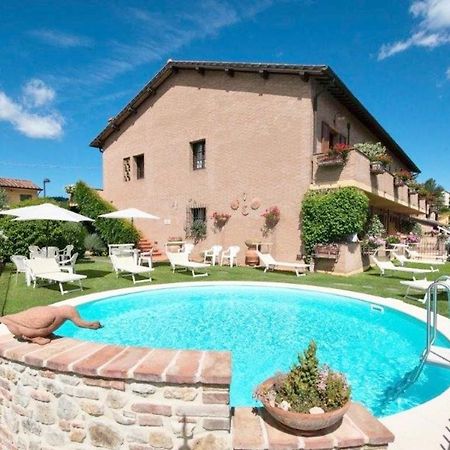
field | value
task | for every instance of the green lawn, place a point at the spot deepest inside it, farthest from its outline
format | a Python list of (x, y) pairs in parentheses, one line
[(16, 297)]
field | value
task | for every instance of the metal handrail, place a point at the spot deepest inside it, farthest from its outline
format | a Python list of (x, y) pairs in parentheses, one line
[(431, 299)]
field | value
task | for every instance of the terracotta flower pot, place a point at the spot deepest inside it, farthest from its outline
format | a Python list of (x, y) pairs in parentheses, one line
[(377, 167), (301, 421)]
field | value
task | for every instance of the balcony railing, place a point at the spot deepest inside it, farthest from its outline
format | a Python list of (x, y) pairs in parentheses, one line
[(356, 172)]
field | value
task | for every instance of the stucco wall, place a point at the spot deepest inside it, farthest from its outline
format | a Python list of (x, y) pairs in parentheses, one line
[(258, 145), (13, 194)]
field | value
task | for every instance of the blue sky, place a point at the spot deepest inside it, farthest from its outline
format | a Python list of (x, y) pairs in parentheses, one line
[(69, 66)]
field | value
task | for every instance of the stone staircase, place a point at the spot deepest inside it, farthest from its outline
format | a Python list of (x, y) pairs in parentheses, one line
[(146, 245)]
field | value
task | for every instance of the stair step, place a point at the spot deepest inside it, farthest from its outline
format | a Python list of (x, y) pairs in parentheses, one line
[(439, 356)]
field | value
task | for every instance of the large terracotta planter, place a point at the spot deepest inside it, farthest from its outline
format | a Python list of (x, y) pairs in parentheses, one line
[(325, 160), (251, 257), (299, 421)]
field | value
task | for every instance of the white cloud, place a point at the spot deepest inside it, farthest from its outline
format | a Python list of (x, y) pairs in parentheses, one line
[(60, 39), (432, 31), (157, 36), (33, 124), (37, 93)]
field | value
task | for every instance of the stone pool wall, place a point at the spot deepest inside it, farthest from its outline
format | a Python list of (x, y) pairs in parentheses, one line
[(78, 395)]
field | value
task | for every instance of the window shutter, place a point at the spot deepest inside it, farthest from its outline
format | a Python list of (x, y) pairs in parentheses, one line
[(325, 137)]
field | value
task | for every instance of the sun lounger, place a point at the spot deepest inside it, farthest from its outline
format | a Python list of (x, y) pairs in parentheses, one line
[(269, 263), (127, 265), (415, 256), (49, 270), (181, 260), (423, 285), (385, 266), (402, 259)]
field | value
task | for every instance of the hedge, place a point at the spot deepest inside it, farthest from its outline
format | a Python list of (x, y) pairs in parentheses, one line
[(330, 215), (111, 231)]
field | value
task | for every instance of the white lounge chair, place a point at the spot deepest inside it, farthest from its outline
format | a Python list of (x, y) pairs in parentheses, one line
[(65, 254), (49, 270), (230, 255), (415, 256), (181, 260), (423, 285), (127, 265), (212, 254), (402, 259), (388, 266), (267, 260)]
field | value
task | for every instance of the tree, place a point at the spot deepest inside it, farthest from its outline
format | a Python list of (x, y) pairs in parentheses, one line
[(3, 199), (435, 191)]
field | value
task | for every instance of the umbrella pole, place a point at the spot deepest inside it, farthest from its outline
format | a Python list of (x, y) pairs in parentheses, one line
[(46, 232)]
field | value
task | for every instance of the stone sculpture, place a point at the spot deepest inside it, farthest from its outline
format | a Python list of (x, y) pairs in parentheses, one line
[(38, 324)]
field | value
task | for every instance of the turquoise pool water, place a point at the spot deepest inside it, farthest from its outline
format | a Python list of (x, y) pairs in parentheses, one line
[(266, 327)]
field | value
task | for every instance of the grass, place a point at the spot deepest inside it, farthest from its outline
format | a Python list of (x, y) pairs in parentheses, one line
[(17, 297)]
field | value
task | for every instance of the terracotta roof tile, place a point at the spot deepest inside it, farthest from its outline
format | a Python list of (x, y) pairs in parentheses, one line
[(21, 184)]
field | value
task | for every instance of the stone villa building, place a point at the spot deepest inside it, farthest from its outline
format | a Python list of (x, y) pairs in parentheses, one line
[(237, 138)]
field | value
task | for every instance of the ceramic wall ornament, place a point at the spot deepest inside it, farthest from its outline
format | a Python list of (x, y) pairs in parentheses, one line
[(255, 203), (234, 204), (244, 210), (244, 196)]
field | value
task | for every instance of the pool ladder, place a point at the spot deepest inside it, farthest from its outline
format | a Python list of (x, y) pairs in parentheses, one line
[(433, 353)]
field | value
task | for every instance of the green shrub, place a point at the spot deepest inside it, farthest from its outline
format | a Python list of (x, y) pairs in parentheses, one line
[(197, 231), (111, 231), (3, 199), (309, 385), (94, 244), (331, 215), (19, 235)]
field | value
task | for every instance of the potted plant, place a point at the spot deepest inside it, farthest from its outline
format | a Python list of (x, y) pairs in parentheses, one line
[(220, 219), (401, 177), (377, 155), (392, 240), (309, 398), (251, 255), (336, 156), (326, 251), (197, 231), (271, 218)]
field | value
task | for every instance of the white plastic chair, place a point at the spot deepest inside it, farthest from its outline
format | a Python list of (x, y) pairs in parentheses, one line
[(69, 264), (230, 255), (212, 254), (19, 262), (66, 253), (35, 251), (187, 248)]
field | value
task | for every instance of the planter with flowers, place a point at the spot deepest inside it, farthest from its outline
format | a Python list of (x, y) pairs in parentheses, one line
[(336, 156), (271, 218), (401, 177), (377, 155), (220, 219), (309, 398)]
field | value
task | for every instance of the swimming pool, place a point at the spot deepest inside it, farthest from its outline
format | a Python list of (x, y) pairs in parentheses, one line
[(265, 328)]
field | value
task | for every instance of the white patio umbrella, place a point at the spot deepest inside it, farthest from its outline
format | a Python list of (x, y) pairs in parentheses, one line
[(45, 211), (129, 213)]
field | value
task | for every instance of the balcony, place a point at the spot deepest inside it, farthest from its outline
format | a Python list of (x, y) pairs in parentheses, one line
[(379, 188)]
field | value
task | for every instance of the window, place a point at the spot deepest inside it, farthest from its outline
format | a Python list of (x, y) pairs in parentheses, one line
[(24, 197), (126, 166), (139, 164), (198, 154), (198, 214), (331, 137)]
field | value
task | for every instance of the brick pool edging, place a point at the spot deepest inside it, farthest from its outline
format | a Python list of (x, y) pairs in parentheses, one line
[(71, 392), (135, 440)]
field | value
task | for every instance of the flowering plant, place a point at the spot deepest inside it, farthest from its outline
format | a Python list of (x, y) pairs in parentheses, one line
[(220, 218), (384, 158), (272, 217), (412, 238), (308, 385), (403, 174), (340, 150)]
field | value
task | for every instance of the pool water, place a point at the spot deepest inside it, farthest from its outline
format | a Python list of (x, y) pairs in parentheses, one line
[(266, 327)]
